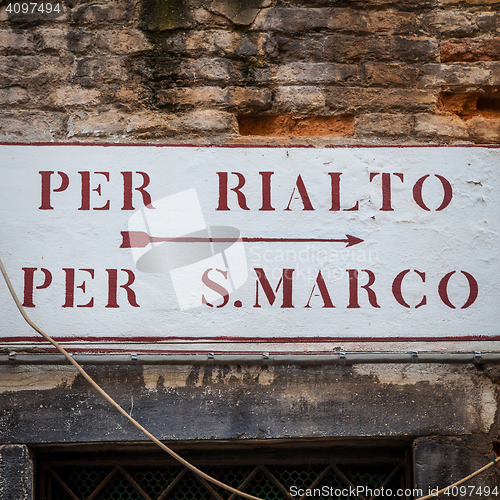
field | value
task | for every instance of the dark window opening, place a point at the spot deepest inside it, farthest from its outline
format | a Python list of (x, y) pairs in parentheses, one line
[(268, 473)]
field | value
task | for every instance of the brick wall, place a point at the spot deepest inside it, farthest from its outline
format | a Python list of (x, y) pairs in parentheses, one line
[(321, 71)]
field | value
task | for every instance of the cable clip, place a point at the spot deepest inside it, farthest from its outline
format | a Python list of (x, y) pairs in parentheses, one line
[(12, 356), (265, 355), (477, 357), (211, 355), (134, 357), (414, 357), (342, 358)]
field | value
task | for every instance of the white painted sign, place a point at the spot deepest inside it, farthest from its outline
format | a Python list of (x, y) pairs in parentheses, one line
[(147, 244)]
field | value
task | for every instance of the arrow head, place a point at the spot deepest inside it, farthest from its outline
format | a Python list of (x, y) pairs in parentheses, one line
[(352, 240)]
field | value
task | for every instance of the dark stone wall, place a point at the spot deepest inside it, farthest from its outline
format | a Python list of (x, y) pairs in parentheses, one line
[(16, 473)]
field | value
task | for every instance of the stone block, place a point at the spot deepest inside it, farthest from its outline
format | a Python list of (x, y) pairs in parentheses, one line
[(16, 472), (99, 14), (31, 126), (304, 99), (31, 70), (440, 461), (453, 75), (442, 22), (205, 122), (15, 41), (93, 71), (384, 125), (381, 75), (440, 127), (13, 95), (484, 130), (357, 100), (308, 73), (123, 42)]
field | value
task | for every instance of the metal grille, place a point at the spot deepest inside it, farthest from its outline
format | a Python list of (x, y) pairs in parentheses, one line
[(61, 480)]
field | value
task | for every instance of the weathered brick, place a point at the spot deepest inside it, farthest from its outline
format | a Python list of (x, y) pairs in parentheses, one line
[(74, 96), (209, 19), (384, 125), (390, 74), (15, 41), (205, 122), (92, 71), (126, 42), (349, 48), (99, 14), (446, 23), (484, 130), (440, 127), (13, 95), (391, 22), (31, 126), (188, 97), (305, 100), (356, 100), (115, 123), (241, 99), (487, 21), (305, 72), (307, 19), (296, 126), (470, 50), (31, 70), (456, 75), (77, 41)]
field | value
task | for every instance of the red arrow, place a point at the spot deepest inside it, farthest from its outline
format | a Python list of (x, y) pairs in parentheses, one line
[(140, 239)]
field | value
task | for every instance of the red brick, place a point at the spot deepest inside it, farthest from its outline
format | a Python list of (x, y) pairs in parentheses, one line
[(296, 126), (470, 50)]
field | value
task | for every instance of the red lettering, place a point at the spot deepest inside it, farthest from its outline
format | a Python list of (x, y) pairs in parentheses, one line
[(45, 188), (327, 301), (223, 188), (128, 190), (215, 287), (113, 288), (473, 290), (286, 279), (447, 193), (398, 294), (336, 194), (86, 191), (386, 189), (70, 288), (354, 285), (266, 191), (29, 278), (304, 196)]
